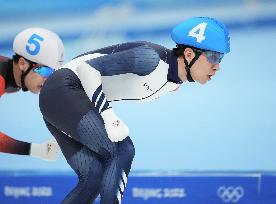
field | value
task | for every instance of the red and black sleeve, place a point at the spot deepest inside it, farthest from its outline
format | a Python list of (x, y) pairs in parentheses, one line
[(8, 144), (12, 146)]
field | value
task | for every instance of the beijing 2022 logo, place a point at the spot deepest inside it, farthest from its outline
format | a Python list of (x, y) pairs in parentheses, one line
[(230, 194)]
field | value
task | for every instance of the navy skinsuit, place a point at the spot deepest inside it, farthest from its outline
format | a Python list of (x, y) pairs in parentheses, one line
[(71, 109)]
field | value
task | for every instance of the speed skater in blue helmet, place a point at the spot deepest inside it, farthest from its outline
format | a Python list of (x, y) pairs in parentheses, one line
[(201, 37), (93, 139)]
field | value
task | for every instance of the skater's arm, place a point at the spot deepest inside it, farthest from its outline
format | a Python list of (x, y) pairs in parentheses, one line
[(90, 78), (47, 151)]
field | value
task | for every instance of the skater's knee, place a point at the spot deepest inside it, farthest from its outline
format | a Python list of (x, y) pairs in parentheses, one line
[(85, 162)]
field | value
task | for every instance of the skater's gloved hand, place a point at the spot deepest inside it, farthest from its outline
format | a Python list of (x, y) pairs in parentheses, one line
[(116, 129), (47, 151)]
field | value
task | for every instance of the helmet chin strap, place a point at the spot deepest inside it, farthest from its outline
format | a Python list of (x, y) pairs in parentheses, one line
[(188, 66), (23, 76)]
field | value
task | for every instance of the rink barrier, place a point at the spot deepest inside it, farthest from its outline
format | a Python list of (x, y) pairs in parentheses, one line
[(147, 188)]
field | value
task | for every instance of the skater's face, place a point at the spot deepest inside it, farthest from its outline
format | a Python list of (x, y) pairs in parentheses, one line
[(203, 70), (33, 80), (204, 67)]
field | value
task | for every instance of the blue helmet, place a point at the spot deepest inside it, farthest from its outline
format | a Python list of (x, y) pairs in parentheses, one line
[(203, 33)]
